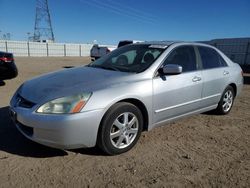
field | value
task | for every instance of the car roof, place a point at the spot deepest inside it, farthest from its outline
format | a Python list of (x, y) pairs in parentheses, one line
[(166, 43)]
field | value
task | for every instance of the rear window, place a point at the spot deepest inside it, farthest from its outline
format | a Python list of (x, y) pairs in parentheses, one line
[(211, 58), (8, 55), (1, 54)]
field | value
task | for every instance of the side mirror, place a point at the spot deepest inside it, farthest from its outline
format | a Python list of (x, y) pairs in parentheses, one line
[(170, 69)]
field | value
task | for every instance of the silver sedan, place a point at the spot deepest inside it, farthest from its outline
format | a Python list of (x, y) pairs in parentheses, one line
[(137, 87)]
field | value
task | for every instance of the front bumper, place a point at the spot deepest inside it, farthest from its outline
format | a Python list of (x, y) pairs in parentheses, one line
[(64, 131)]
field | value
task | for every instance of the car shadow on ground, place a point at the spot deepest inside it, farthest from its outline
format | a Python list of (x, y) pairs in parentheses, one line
[(11, 141), (95, 151)]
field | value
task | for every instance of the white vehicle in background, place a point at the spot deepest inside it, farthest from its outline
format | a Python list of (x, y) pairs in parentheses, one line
[(98, 51)]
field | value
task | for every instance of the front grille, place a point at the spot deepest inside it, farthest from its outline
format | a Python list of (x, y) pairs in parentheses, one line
[(25, 129), (22, 102)]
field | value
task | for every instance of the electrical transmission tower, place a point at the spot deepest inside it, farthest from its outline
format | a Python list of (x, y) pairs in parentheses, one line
[(43, 28)]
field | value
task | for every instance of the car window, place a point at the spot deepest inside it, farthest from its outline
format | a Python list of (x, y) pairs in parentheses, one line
[(210, 58), (183, 56), (150, 55), (222, 61), (8, 55), (129, 57)]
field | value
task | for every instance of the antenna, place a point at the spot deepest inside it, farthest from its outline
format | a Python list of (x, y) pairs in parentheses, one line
[(43, 28)]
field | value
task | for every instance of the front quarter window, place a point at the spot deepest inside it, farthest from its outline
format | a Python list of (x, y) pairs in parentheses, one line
[(131, 58)]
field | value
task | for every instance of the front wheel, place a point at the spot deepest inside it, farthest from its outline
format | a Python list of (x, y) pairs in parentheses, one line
[(120, 129), (226, 101)]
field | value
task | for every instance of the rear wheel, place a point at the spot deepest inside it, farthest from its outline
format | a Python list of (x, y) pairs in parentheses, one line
[(226, 101), (120, 128)]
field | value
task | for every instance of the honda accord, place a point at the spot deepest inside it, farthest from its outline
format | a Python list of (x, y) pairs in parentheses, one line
[(135, 88)]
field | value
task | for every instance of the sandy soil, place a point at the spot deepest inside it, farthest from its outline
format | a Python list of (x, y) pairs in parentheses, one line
[(201, 151)]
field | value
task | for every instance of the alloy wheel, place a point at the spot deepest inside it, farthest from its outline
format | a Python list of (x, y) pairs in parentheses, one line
[(124, 130), (227, 101)]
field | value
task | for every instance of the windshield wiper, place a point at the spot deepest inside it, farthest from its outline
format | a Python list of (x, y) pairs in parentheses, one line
[(104, 67)]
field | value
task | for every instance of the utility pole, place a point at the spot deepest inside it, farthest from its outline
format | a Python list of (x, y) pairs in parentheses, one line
[(43, 27), (8, 36), (4, 37), (28, 36)]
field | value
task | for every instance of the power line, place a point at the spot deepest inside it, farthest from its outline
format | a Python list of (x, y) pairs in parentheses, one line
[(124, 12), (132, 9), (116, 10)]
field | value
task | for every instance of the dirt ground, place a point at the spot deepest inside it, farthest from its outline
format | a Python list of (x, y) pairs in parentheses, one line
[(201, 151)]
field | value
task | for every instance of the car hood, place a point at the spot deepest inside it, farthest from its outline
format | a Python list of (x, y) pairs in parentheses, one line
[(69, 82)]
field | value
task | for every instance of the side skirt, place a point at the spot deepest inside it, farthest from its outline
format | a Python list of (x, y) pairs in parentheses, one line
[(164, 122)]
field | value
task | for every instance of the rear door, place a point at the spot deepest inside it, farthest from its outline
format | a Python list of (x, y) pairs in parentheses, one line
[(175, 95), (215, 75)]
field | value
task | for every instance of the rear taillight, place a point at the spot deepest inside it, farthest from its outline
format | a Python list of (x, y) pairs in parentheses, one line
[(6, 59)]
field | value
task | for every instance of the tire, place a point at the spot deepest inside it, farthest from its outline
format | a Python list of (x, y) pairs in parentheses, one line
[(226, 102), (120, 128)]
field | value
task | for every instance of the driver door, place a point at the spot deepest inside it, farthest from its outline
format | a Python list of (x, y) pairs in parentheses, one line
[(176, 95)]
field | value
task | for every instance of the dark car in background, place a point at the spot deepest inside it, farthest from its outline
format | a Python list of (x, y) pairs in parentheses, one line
[(126, 42), (8, 69)]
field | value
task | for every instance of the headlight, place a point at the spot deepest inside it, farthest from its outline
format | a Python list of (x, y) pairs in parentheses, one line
[(65, 105)]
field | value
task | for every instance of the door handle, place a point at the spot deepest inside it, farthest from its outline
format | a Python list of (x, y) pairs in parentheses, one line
[(225, 73), (196, 79)]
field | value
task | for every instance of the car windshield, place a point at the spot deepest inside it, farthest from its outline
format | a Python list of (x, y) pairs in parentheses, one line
[(130, 58)]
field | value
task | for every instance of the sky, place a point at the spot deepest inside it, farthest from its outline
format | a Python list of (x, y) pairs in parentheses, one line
[(109, 21)]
